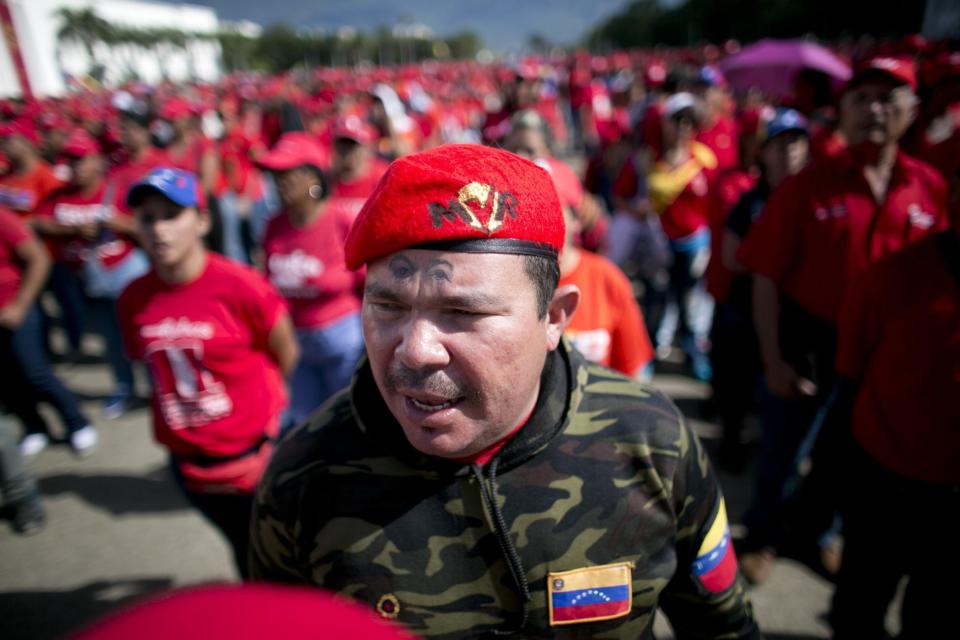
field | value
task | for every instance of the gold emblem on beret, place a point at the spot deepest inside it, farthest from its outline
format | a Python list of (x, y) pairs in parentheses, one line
[(388, 606), (501, 204)]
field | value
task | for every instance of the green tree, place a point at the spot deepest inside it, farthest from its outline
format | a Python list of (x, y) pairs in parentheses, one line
[(464, 44), (85, 27)]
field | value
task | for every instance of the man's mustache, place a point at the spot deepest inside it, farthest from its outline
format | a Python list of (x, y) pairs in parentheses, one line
[(403, 378)]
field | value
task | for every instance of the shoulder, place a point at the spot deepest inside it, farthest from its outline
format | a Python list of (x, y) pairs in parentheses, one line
[(136, 292), (313, 451), (228, 269), (275, 224), (630, 410), (923, 172)]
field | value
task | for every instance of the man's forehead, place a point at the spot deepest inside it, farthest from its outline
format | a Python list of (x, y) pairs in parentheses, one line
[(494, 274), (463, 263)]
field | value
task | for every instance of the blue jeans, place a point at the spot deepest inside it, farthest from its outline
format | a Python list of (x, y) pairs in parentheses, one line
[(327, 358), (108, 326), (33, 380), (68, 290), (688, 295)]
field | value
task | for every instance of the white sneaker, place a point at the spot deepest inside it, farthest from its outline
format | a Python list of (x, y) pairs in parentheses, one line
[(84, 441), (33, 443)]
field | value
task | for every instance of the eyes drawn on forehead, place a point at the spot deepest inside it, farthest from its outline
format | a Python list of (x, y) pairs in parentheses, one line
[(403, 268)]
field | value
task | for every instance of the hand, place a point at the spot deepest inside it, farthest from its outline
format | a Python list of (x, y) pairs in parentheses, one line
[(88, 230), (12, 315), (785, 382)]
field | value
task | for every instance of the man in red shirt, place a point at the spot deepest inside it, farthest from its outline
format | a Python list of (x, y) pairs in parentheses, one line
[(29, 179), (898, 355), (140, 156), (80, 224), (217, 340), (608, 327), (820, 230), (28, 379), (355, 169)]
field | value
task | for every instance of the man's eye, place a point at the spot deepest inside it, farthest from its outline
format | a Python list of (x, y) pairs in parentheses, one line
[(385, 306)]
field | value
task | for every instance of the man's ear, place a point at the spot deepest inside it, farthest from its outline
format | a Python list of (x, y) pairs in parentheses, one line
[(205, 223), (564, 304)]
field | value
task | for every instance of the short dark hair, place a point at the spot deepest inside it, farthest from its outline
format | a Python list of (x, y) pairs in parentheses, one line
[(544, 273)]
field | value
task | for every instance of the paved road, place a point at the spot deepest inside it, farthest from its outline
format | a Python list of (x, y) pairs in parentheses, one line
[(118, 529)]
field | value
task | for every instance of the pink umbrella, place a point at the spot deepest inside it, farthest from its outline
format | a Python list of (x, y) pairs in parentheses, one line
[(772, 65)]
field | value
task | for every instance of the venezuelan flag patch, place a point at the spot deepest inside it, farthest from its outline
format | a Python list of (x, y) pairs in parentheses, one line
[(716, 563), (590, 594)]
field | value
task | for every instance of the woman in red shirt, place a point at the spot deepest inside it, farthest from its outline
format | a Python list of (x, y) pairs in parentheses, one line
[(217, 341), (304, 259)]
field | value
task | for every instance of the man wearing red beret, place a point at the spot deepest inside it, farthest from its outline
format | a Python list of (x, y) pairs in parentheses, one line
[(478, 476)]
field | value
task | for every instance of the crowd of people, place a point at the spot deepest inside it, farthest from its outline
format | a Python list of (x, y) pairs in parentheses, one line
[(252, 242)]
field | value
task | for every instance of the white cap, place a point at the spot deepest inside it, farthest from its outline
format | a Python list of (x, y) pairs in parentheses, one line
[(678, 102)]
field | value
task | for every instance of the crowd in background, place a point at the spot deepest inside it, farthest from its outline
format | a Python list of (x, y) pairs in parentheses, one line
[(686, 231)]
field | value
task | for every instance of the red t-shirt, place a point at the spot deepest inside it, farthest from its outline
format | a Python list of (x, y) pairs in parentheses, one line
[(13, 232), (217, 389), (723, 139), (608, 326), (730, 186), (362, 186), (821, 228), (23, 193), (899, 334), (307, 266), (189, 157), (72, 207)]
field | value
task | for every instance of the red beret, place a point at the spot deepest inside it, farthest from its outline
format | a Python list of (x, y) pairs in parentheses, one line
[(245, 611), (459, 197)]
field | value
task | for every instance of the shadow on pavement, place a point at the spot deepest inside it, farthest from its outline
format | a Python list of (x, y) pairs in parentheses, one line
[(119, 494), (39, 615)]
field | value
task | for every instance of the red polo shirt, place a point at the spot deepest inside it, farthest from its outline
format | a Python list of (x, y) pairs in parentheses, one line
[(822, 228), (899, 334)]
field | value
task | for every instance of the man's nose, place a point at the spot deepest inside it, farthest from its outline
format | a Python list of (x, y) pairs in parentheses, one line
[(422, 346)]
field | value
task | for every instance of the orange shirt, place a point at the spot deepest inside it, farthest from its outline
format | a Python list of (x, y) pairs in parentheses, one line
[(608, 326), (23, 193)]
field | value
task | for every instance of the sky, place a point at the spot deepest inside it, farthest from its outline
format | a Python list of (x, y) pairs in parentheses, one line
[(504, 25)]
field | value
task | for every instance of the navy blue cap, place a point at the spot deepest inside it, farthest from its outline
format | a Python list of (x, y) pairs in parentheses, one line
[(784, 120), (176, 185)]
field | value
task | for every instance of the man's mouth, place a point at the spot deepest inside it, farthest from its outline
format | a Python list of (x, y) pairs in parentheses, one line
[(432, 405)]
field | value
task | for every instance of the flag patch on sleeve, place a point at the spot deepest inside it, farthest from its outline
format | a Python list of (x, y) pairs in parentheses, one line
[(716, 563), (590, 594)]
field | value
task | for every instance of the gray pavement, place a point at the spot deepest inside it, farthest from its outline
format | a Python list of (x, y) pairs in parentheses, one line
[(118, 529)]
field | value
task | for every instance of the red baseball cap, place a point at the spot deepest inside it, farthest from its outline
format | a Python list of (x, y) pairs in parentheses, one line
[(80, 144), (352, 127), (22, 127), (294, 149), (175, 108), (245, 611), (459, 197), (568, 185), (901, 70)]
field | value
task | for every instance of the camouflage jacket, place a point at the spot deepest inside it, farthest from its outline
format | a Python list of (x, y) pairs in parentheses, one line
[(605, 497)]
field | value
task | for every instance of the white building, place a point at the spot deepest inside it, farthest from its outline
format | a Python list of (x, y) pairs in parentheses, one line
[(49, 63)]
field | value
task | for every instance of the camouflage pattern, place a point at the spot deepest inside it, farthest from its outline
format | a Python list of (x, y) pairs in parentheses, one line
[(605, 471)]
